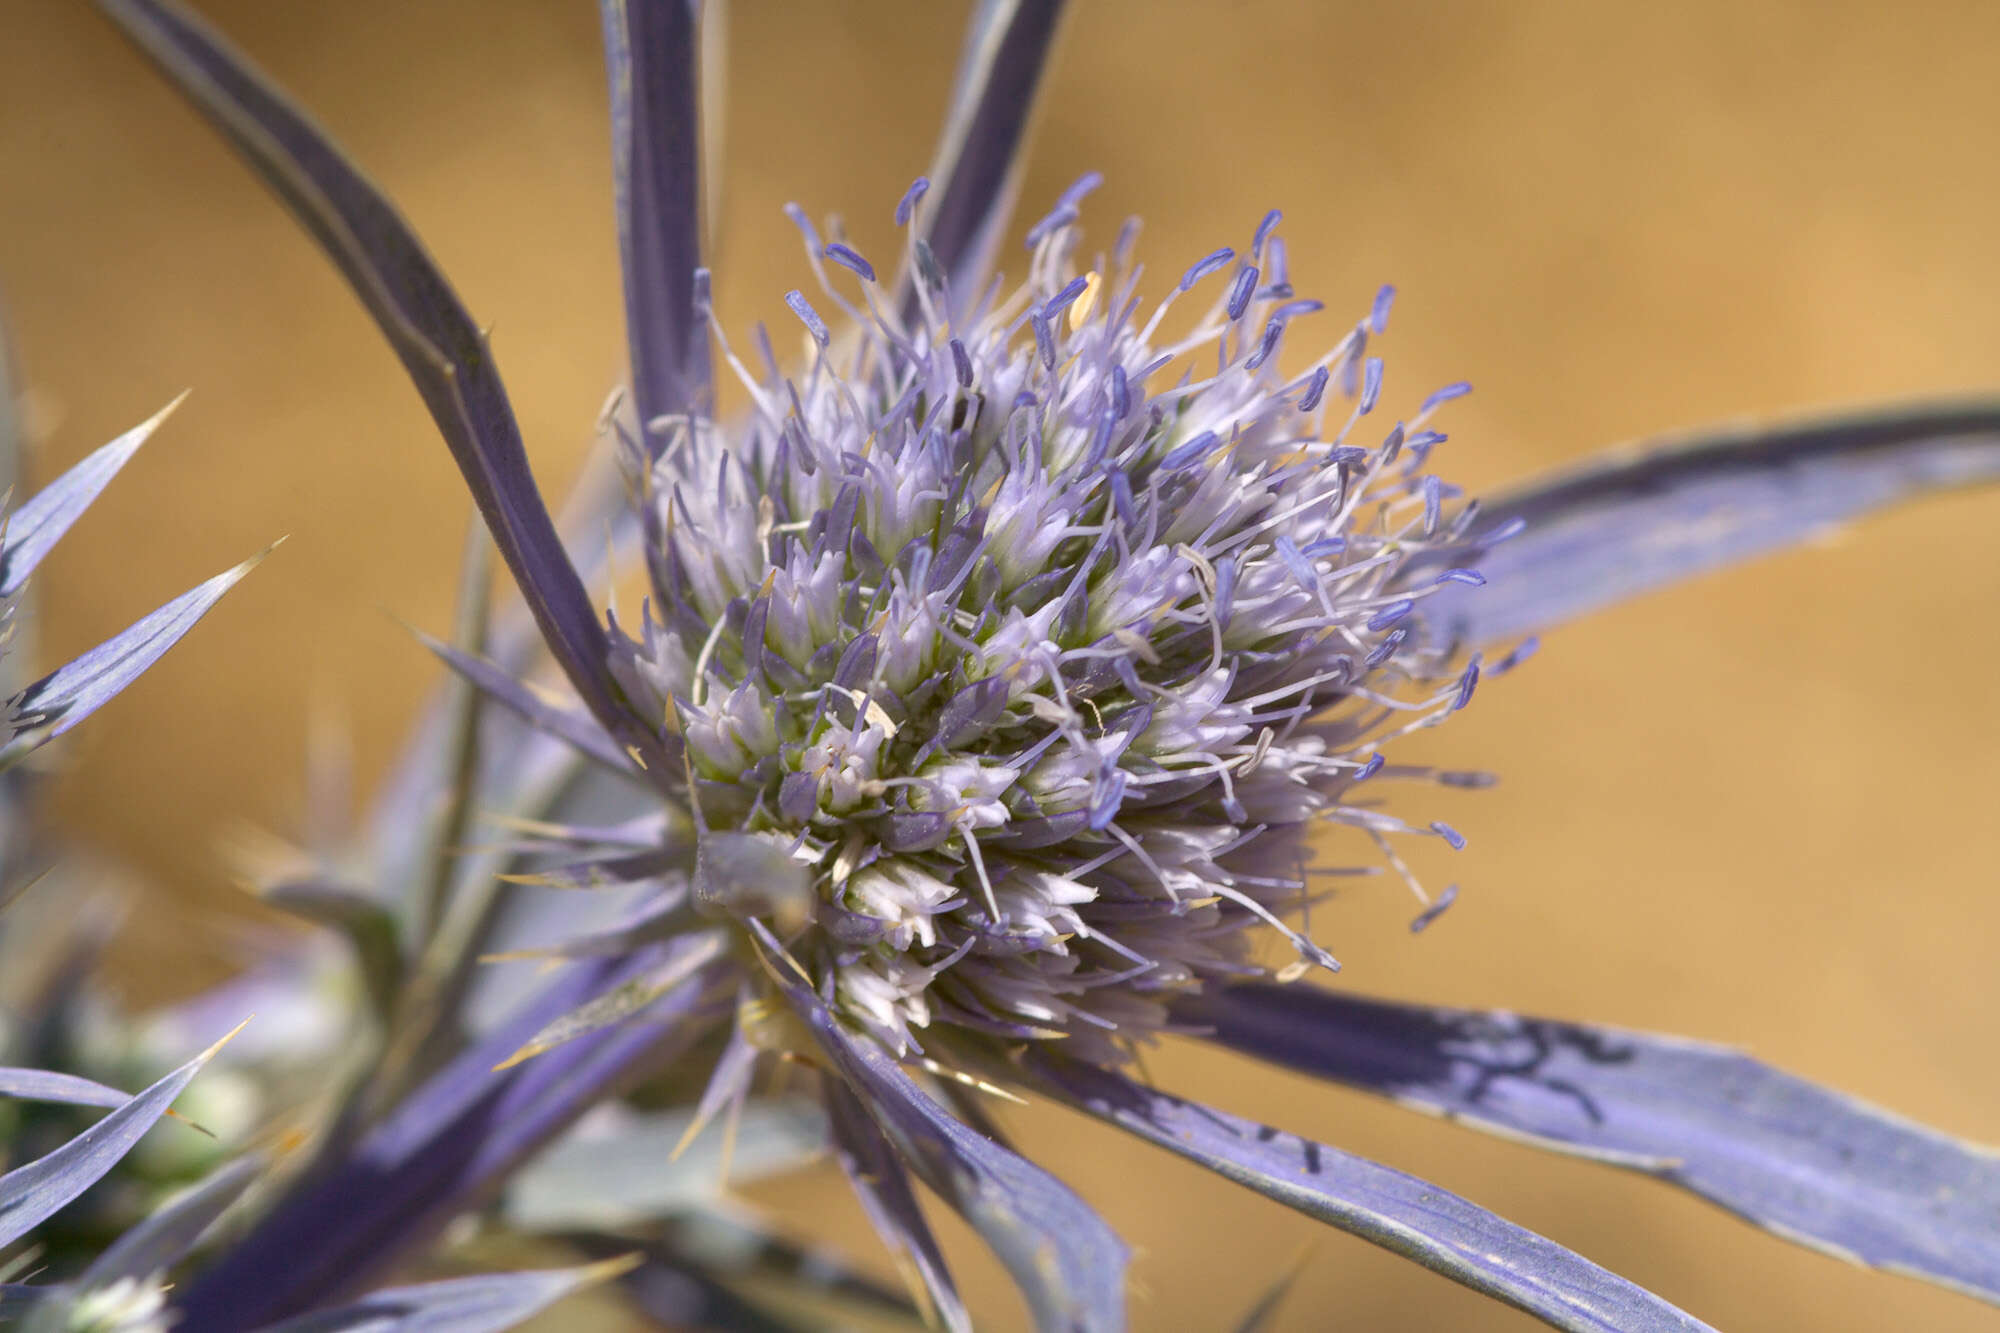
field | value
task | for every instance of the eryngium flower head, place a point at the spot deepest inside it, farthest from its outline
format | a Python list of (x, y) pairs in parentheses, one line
[(1015, 654)]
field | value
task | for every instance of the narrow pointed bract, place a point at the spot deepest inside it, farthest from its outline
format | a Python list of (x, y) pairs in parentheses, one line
[(652, 57), (1067, 1262), (78, 688), (579, 730), (1412, 1217), (1808, 1164), (166, 1237), (32, 1193), (977, 170), (36, 525), (882, 1184), (1652, 514), (52, 705)]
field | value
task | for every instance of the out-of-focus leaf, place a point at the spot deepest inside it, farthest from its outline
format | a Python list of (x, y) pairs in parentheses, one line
[(724, 1267), (129, 1305), (38, 524), (1068, 1263), (677, 1294), (173, 1230), (445, 353), (484, 1304), (1644, 516), (49, 954), (370, 929), (30, 1194), (1811, 1165), (445, 1147), (619, 1169), (1412, 1217), (519, 773), (75, 690)]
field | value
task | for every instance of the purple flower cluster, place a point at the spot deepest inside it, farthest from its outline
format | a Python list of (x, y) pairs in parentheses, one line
[(1028, 643)]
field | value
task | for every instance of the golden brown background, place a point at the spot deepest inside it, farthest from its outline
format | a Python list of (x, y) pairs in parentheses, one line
[(1757, 809)]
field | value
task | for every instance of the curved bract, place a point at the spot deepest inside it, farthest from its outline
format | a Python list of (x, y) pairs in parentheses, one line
[(1650, 514), (1806, 1163)]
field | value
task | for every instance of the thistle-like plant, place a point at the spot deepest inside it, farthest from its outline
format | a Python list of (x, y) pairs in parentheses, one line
[(999, 659)]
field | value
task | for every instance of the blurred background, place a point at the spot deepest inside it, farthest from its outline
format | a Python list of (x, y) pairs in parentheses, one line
[(1755, 809)]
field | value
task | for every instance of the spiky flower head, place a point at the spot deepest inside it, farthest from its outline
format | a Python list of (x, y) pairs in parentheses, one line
[(1015, 653)]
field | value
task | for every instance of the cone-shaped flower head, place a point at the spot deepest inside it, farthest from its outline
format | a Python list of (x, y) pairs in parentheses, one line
[(1015, 654)]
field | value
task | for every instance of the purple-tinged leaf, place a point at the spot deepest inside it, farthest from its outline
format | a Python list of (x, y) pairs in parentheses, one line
[(883, 1186), (1649, 515), (1069, 1265), (1414, 1218), (38, 524), (531, 706), (652, 55), (1809, 1164), (484, 1304), (41, 1085), (445, 353), (31, 1194), (976, 172), (172, 1231), (75, 690), (444, 1148)]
